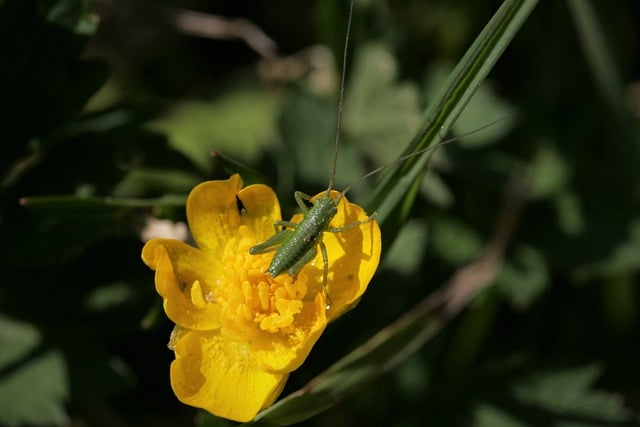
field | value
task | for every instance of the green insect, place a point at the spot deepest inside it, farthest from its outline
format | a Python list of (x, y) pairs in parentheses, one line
[(296, 244)]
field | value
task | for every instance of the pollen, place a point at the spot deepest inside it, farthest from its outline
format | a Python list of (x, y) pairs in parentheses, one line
[(250, 299)]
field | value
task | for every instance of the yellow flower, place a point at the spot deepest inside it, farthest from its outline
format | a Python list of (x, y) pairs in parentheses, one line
[(239, 332)]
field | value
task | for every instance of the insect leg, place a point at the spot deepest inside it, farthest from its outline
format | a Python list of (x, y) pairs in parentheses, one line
[(284, 224), (304, 260), (271, 244), (325, 274), (300, 200), (307, 258), (352, 225)]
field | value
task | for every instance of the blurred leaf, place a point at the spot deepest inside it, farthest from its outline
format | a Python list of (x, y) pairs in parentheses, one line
[(379, 114), (17, 339), (108, 297), (568, 394), (454, 241), (74, 14), (549, 172), (622, 260), (231, 166), (553, 397), (408, 249), (308, 127), (435, 189), (33, 388), (489, 416), (523, 277), (237, 124), (601, 63), (569, 212)]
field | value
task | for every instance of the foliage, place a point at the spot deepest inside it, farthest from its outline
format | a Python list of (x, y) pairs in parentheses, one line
[(109, 112)]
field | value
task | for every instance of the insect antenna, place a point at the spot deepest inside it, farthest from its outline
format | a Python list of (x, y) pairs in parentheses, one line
[(417, 153), (341, 98)]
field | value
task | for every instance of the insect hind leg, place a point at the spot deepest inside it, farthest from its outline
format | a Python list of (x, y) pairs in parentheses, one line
[(352, 224), (271, 244), (325, 274), (307, 258)]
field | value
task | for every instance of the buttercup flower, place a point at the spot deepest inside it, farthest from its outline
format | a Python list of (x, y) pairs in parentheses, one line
[(239, 332)]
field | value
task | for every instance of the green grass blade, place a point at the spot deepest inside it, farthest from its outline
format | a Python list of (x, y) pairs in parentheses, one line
[(601, 62), (399, 187), (598, 54)]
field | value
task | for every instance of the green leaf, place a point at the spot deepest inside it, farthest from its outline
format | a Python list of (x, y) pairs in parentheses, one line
[(549, 172), (236, 124), (559, 397), (379, 114), (620, 261), (569, 211), (569, 392), (33, 381), (307, 125), (454, 241), (109, 297), (408, 249), (485, 415), (523, 277), (602, 63), (17, 339)]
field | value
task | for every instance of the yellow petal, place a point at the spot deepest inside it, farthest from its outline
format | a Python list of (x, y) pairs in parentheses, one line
[(286, 352), (353, 256), (220, 375), (216, 210), (184, 278)]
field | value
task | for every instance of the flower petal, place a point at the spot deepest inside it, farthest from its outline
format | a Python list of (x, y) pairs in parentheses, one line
[(286, 352), (353, 256), (220, 375), (217, 209), (184, 277)]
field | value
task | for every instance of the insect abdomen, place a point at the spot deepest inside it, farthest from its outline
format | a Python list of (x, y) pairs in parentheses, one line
[(304, 237)]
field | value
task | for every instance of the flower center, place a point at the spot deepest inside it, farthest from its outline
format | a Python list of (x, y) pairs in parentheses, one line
[(250, 299)]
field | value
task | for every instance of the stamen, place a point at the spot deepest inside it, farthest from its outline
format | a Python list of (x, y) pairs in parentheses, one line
[(250, 299)]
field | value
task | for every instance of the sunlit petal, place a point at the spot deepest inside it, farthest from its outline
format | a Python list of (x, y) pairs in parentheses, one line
[(184, 278), (220, 375)]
